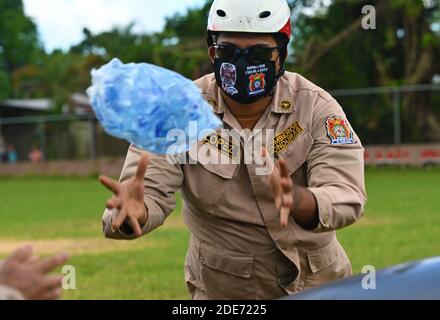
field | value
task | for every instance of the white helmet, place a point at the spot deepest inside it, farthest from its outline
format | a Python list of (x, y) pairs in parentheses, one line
[(253, 16)]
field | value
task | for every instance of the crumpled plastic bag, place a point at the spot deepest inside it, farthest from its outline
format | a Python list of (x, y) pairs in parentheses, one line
[(141, 103)]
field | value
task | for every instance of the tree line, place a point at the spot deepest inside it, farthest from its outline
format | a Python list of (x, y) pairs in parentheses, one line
[(329, 47)]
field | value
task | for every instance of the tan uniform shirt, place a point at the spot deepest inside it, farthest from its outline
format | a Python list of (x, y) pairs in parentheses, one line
[(238, 249)]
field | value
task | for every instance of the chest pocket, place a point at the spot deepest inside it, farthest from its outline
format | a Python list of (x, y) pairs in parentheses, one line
[(206, 182), (326, 264), (227, 274)]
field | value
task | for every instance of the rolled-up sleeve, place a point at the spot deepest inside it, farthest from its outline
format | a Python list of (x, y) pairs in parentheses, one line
[(335, 172), (162, 180)]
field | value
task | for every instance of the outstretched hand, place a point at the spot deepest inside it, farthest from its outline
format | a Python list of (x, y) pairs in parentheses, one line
[(282, 187), (128, 198)]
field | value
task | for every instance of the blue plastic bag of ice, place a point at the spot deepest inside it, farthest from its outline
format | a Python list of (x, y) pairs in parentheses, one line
[(142, 103)]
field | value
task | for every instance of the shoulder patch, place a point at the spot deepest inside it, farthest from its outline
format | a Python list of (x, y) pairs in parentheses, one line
[(339, 131)]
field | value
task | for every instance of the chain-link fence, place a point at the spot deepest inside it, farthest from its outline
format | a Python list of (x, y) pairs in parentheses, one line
[(393, 115)]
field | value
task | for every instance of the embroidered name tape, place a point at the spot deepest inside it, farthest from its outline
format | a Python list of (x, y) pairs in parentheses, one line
[(285, 138), (224, 145)]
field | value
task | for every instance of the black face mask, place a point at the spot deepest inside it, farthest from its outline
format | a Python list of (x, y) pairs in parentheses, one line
[(244, 82)]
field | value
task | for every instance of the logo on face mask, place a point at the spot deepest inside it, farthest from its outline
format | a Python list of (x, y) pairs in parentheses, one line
[(244, 82), (257, 84), (228, 75), (257, 79)]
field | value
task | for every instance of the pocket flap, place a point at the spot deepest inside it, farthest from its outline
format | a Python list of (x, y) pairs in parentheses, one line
[(213, 160), (323, 257), (298, 152), (226, 261)]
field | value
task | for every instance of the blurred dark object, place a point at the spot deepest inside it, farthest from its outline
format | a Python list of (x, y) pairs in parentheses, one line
[(411, 281)]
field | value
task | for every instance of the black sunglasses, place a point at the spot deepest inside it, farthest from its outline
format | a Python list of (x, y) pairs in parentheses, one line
[(256, 54)]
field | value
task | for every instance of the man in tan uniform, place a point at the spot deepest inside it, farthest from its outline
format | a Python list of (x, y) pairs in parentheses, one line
[(253, 236)]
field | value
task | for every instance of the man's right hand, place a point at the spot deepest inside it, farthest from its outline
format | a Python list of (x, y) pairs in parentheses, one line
[(129, 199), (30, 275)]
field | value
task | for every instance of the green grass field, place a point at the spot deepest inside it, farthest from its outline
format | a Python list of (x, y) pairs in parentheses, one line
[(401, 223)]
